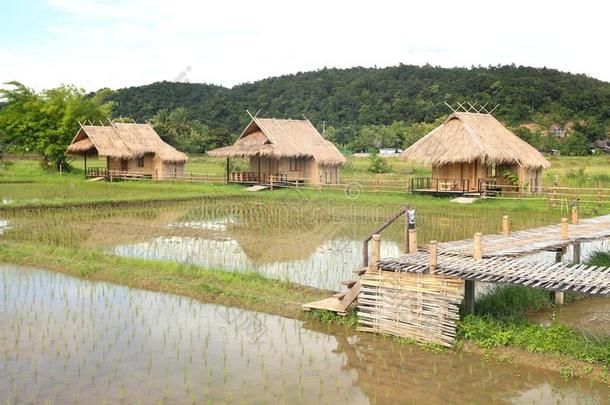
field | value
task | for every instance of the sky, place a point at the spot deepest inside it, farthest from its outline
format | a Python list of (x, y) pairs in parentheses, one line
[(120, 43)]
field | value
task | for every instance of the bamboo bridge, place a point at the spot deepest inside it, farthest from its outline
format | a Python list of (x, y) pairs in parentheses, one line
[(502, 258), (417, 295)]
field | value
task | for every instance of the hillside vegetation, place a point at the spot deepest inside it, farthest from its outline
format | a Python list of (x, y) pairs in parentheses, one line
[(349, 99)]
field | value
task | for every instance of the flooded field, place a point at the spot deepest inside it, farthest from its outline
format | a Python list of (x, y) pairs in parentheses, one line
[(64, 340), (316, 245), (590, 316)]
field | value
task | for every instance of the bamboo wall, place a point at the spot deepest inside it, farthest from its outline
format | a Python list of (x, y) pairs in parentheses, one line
[(423, 307)]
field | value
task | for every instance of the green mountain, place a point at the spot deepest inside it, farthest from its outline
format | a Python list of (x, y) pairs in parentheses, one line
[(357, 97)]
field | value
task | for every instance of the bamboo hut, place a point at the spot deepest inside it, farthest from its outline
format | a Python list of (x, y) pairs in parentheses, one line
[(283, 150), (471, 152), (130, 149)]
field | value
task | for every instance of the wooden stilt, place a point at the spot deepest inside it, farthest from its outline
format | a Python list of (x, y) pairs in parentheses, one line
[(469, 296), (557, 296), (469, 285)]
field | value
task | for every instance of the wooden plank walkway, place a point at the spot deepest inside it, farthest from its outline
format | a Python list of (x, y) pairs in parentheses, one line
[(503, 260), (533, 240)]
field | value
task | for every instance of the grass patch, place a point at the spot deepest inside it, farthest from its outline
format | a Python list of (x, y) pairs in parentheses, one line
[(500, 321)]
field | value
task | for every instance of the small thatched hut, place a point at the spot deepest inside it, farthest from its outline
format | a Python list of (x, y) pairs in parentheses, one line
[(286, 149), (129, 149), (471, 149)]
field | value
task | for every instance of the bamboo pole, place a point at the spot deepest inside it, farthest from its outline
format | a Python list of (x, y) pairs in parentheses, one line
[(564, 228), (375, 252), (433, 249), (412, 241)]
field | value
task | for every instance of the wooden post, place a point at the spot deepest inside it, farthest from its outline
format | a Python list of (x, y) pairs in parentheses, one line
[(477, 251), (406, 241), (469, 285), (564, 228), (505, 226), (576, 253), (433, 261), (228, 169), (557, 296), (575, 215), (375, 252), (365, 254), (412, 241), (271, 182)]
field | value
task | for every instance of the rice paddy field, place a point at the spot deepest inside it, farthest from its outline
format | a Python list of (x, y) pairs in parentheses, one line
[(175, 293), (109, 344)]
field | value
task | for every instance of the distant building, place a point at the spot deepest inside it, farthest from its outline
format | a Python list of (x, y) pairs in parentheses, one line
[(603, 145), (558, 131), (386, 152)]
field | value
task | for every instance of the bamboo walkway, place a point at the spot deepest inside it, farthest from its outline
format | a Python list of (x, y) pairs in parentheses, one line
[(503, 262)]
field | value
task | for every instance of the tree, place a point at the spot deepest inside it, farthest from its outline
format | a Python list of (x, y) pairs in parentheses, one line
[(378, 164), (575, 145), (46, 122)]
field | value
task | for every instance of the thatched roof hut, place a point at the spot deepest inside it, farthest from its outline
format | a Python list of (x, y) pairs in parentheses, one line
[(123, 141), (293, 147), (129, 148), (470, 146), (282, 138)]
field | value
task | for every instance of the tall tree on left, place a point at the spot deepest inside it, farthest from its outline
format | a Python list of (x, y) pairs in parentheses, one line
[(45, 122)]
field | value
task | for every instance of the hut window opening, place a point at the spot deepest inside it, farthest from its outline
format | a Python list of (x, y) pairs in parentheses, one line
[(141, 161), (295, 165), (491, 170)]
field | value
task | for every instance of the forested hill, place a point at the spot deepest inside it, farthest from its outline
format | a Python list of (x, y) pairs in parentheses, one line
[(368, 96)]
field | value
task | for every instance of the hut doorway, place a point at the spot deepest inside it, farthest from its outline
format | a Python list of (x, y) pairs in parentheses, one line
[(124, 165)]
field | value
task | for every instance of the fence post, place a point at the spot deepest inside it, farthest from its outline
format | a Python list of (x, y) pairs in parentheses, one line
[(505, 226), (575, 212), (564, 228), (375, 252)]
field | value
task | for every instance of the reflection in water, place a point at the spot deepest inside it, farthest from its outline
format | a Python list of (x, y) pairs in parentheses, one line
[(332, 262), (68, 340)]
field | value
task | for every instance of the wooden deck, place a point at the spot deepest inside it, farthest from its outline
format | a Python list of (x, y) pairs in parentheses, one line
[(503, 259)]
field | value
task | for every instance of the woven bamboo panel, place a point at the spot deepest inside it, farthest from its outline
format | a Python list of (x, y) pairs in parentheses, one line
[(422, 307)]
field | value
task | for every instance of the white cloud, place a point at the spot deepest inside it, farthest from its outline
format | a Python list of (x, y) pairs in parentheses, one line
[(121, 43)]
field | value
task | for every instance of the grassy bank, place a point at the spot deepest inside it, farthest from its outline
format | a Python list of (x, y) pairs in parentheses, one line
[(243, 290)]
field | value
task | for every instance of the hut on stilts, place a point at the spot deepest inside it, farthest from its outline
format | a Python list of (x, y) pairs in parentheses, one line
[(283, 150), (131, 150), (472, 152)]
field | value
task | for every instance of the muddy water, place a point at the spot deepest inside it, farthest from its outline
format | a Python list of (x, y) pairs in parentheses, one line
[(590, 316), (66, 340)]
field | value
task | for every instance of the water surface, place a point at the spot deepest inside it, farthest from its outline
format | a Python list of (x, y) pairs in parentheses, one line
[(65, 340)]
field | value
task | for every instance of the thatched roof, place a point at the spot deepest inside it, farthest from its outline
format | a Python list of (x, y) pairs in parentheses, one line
[(468, 137), (124, 141), (282, 138)]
